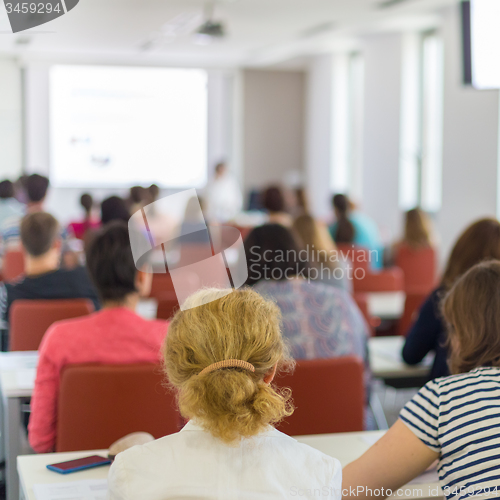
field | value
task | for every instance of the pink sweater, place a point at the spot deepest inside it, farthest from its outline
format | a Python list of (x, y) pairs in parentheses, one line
[(110, 336)]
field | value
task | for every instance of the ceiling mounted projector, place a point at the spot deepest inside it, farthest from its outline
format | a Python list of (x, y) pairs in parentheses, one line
[(211, 29)]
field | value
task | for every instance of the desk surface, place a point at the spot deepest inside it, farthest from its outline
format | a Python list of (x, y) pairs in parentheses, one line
[(33, 470), (386, 305), (346, 447), (386, 360), (17, 373)]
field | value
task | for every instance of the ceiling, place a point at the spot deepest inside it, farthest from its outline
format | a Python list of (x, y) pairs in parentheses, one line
[(260, 32)]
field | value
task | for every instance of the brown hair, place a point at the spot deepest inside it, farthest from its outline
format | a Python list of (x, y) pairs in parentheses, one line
[(231, 403), (273, 199), (418, 232), (345, 229), (480, 241), (472, 310), (39, 231)]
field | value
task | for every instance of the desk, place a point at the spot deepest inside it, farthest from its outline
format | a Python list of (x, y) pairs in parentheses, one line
[(346, 447), (386, 305), (387, 363), (17, 377), (17, 374), (349, 446), (32, 470)]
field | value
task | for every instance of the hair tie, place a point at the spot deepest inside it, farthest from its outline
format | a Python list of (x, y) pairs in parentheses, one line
[(228, 363)]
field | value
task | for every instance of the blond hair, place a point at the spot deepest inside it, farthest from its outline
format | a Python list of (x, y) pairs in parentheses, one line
[(418, 229), (230, 403)]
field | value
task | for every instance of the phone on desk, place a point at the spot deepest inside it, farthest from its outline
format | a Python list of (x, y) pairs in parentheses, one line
[(80, 464)]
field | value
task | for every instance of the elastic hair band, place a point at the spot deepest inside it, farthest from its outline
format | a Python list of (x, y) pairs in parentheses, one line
[(228, 363)]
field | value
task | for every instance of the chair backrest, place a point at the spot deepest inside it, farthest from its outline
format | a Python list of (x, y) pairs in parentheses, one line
[(30, 319), (419, 267), (167, 306), (388, 280), (329, 396), (413, 303), (359, 257), (13, 265), (162, 285), (99, 404)]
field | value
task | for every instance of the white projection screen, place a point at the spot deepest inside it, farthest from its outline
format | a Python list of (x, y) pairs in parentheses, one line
[(121, 126), (485, 43)]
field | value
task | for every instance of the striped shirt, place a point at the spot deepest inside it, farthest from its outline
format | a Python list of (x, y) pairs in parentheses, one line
[(459, 417)]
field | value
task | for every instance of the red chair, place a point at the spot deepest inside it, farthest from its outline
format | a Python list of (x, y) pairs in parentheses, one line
[(99, 404), (328, 394), (162, 285), (168, 305), (413, 304), (361, 300), (13, 265), (419, 267), (30, 319), (387, 280), (359, 257)]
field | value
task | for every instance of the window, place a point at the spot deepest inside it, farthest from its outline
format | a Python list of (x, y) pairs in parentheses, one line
[(421, 122)]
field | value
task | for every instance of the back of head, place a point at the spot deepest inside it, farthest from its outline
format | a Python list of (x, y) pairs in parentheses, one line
[(417, 229), (39, 231), (110, 262), (273, 200), (345, 230), (273, 252), (86, 202), (230, 403), (6, 190), (479, 242), (137, 194), (36, 187), (153, 192), (114, 208), (313, 233), (472, 310)]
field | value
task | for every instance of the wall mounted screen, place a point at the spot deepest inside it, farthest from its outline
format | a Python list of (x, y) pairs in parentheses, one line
[(120, 126)]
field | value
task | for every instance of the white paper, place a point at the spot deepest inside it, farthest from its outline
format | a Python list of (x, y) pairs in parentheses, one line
[(17, 361), (25, 379), (94, 489)]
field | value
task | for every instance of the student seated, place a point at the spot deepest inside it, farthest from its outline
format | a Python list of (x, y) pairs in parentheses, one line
[(274, 202), (480, 241), (116, 334), (418, 235), (11, 211), (80, 228), (221, 355), (319, 321), (43, 277), (455, 419), (322, 253), (356, 228)]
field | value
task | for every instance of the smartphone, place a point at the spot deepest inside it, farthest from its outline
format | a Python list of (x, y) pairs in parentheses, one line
[(80, 464)]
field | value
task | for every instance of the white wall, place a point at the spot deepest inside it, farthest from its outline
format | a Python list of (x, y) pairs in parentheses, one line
[(470, 153), (381, 143), (273, 126), (10, 119), (319, 134)]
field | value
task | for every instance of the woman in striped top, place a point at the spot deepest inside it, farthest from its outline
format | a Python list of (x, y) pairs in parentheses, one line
[(455, 419)]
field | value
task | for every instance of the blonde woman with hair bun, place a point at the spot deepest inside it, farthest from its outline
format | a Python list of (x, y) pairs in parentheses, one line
[(220, 356)]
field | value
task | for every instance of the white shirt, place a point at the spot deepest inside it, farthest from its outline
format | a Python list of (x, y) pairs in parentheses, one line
[(224, 199), (192, 464)]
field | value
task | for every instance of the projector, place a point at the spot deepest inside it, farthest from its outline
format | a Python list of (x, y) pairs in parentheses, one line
[(212, 29)]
